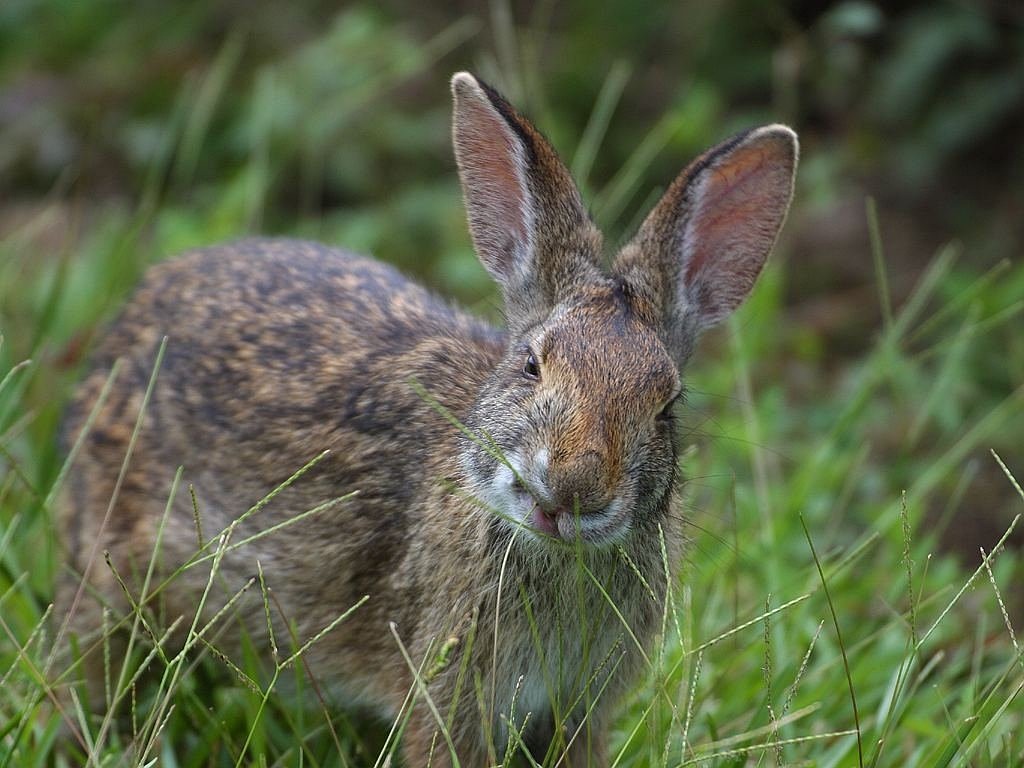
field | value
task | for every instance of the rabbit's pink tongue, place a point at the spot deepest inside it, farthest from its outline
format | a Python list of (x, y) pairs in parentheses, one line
[(544, 522)]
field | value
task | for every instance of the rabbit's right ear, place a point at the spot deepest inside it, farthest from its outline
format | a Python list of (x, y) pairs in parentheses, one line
[(526, 218), (699, 252)]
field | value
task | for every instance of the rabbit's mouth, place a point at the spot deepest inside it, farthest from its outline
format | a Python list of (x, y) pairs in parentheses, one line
[(525, 501), (543, 521), (602, 527), (597, 527)]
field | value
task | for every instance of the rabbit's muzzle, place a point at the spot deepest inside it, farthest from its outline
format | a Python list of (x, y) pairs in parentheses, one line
[(571, 497)]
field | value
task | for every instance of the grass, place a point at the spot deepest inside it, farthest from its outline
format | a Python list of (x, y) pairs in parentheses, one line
[(821, 618)]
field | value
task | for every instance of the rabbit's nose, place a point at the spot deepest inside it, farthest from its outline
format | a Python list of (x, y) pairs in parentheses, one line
[(580, 484)]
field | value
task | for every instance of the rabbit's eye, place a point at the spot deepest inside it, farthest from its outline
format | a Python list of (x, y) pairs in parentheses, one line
[(666, 412), (531, 369)]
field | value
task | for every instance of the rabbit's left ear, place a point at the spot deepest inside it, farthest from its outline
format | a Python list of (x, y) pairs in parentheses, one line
[(699, 252), (527, 220)]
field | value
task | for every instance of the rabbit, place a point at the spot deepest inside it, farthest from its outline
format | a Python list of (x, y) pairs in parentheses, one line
[(505, 498)]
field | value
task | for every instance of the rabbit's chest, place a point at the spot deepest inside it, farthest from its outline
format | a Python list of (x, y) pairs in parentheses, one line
[(557, 672)]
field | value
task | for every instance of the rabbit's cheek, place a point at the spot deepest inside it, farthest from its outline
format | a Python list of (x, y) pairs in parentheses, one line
[(505, 495)]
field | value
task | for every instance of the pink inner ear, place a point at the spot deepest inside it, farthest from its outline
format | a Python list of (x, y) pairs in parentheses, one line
[(727, 201), (494, 169), (736, 209)]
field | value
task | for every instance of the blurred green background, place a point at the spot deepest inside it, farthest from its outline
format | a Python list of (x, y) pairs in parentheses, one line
[(882, 352)]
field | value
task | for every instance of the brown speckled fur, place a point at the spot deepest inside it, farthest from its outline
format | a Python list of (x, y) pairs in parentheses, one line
[(278, 350)]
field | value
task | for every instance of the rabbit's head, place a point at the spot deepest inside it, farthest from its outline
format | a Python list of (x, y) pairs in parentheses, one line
[(574, 429)]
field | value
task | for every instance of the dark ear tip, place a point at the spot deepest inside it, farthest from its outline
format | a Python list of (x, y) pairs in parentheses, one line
[(782, 137)]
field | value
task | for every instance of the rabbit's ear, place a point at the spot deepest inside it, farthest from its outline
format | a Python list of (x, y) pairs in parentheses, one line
[(701, 249), (527, 220)]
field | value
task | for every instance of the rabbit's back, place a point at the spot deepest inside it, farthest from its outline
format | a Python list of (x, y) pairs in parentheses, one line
[(276, 352)]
